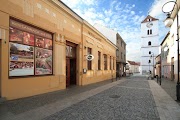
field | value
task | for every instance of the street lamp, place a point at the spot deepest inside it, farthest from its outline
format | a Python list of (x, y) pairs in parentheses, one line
[(168, 9), (152, 56)]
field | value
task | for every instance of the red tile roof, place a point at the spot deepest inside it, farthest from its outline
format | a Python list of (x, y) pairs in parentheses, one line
[(134, 63)]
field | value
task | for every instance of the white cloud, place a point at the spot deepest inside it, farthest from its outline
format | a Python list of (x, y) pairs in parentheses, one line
[(156, 11), (120, 17), (132, 12)]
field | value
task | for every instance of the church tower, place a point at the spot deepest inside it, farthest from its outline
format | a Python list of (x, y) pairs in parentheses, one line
[(149, 44)]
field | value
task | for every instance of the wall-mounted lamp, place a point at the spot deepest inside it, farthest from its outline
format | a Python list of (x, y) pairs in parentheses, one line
[(166, 48)]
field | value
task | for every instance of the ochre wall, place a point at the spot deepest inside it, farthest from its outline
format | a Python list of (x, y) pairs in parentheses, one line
[(98, 43), (47, 15)]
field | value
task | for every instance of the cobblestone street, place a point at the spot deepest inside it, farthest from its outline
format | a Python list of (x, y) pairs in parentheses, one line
[(130, 98), (126, 101)]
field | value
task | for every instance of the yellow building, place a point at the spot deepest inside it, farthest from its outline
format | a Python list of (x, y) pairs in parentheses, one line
[(45, 46)]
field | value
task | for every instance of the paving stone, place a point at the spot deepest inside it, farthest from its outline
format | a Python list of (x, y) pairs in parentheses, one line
[(132, 103)]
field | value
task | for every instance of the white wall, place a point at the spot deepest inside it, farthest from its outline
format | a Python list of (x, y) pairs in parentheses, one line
[(144, 28), (145, 48)]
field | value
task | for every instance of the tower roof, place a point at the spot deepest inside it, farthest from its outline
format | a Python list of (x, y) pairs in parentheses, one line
[(149, 17)]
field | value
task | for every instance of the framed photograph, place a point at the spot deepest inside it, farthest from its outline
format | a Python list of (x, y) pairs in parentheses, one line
[(39, 42), (21, 60), (43, 61), (21, 52), (15, 35), (48, 44), (28, 39), (21, 68)]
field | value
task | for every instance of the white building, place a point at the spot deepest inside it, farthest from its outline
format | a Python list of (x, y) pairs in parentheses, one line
[(149, 44), (132, 67), (116, 39)]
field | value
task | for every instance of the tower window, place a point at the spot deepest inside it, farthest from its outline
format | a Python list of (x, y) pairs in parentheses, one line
[(149, 43), (147, 32), (150, 32), (149, 61)]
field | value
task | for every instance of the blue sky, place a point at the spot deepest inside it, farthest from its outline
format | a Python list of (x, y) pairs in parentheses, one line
[(124, 16)]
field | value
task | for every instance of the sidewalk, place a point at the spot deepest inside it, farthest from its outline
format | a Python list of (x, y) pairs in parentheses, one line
[(169, 86), (132, 98)]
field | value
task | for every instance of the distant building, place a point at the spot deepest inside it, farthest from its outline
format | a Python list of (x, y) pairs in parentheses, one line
[(158, 65), (115, 38), (132, 67), (149, 44)]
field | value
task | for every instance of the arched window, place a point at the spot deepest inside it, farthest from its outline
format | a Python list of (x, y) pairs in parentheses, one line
[(149, 61), (150, 32), (149, 43), (147, 32)]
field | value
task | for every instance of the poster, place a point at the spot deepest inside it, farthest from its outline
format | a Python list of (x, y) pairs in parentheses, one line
[(48, 44), (28, 39), (43, 61), (20, 68), (16, 35), (39, 42), (21, 60)]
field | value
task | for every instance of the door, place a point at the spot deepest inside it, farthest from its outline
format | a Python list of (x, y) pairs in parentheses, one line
[(172, 68), (67, 72), (172, 72), (73, 71)]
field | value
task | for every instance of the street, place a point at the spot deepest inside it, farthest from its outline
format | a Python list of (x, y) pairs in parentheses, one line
[(130, 98)]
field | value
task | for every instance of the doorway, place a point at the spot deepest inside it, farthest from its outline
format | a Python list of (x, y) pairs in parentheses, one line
[(70, 72), (70, 64), (172, 68)]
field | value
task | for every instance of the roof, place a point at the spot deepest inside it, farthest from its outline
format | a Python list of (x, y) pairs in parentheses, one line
[(134, 63), (149, 17)]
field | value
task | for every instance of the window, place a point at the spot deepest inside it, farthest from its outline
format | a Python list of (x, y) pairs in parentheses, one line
[(89, 63), (117, 53), (149, 61), (147, 32), (149, 52), (150, 19), (124, 57), (105, 62), (150, 32), (99, 60), (113, 64), (121, 55), (121, 43), (30, 50), (110, 63), (149, 43)]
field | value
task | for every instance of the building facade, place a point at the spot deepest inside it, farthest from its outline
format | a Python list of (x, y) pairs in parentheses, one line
[(149, 44), (132, 67), (115, 37), (44, 47), (158, 65), (169, 48)]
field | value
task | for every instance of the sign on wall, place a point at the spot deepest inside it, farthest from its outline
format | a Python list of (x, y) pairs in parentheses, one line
[(89, 57)]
